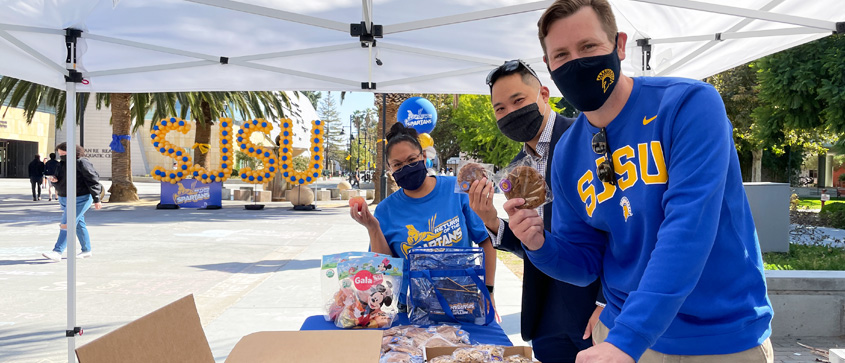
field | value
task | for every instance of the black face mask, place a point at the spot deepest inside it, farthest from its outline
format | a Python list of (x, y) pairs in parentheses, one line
[(523, 124), (587, 83), (63, 157), (411, 176)]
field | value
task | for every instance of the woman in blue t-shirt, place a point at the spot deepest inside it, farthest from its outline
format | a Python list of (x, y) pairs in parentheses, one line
[(426, 212)]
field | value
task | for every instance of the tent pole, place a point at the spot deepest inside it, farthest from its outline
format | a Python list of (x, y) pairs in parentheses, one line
[(73, 76), (71, 220)]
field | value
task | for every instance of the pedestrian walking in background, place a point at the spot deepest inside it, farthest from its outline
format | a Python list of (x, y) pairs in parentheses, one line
[(88, 190), (50, 168), (36, 173)]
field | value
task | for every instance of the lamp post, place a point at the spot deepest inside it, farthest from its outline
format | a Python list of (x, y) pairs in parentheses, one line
[(326, 149), (358, 149), (350, 146)]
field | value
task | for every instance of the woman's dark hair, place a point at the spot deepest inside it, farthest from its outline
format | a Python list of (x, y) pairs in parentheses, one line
[(399, 133), (80, 152)]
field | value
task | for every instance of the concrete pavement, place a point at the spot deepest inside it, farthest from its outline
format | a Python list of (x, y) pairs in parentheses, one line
[(249, 271)]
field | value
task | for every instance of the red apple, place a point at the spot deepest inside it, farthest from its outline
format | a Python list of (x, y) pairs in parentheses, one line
[(357, 202)]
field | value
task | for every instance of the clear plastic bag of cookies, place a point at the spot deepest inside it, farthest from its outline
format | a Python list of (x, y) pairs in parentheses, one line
[(471, 355), (517, 359), (522, 179), (400, 357), (497, 353), (442, 359), (469, 172), (451, 333)]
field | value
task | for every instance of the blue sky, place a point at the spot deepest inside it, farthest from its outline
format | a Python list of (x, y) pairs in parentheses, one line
[(352, 102)]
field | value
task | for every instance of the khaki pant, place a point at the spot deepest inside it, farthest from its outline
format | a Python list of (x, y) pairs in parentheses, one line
[(759, 354)]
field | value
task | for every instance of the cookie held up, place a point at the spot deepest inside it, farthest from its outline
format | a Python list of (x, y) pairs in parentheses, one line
[(522, 180)]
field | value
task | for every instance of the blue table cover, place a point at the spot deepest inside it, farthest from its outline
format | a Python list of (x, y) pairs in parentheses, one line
[(478, 334)]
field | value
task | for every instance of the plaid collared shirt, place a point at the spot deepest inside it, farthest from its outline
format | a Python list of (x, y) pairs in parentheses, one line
[(541, 158)]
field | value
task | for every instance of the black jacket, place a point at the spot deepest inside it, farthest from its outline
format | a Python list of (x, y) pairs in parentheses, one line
[(87, 179), (36, 169), (573, 314), (51, 166)]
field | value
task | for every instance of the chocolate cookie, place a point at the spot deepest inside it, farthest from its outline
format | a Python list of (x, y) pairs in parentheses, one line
[(527, 183), (469, 173)]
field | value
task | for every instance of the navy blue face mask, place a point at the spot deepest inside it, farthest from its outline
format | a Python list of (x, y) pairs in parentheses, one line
[(587, 83), (411, 176)]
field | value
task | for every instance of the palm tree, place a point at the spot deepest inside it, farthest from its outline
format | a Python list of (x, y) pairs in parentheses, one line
[(127, 108), (29, 96)]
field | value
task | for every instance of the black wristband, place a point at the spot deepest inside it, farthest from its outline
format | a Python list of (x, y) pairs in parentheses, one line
[(490, 288)]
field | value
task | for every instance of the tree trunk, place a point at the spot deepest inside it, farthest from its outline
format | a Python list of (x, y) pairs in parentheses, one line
[(757, 165), (122, 189), (203, 135), (394, 100)]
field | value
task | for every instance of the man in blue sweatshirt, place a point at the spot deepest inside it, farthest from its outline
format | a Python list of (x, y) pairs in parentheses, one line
[(648, 197)]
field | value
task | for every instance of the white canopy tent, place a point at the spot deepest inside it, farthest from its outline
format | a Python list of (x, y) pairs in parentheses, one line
[(432, 46)]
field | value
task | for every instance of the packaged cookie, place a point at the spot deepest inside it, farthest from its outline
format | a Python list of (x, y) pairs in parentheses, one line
[(497, 353), (442, 359), (470, 355), (399, 357), (469, 172), (517, 359), (451, 333), (374, 284), (522, 179)]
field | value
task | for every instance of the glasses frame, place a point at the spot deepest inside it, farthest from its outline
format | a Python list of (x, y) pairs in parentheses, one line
[(406, 163), (509, 67), (600, 145)]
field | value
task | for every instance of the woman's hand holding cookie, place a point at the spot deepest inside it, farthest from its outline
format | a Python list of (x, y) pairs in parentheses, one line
[(526, 224)]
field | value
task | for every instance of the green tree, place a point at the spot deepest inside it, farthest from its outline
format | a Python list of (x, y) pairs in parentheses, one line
[(314, 97), (802, 94), (563, 107), (738, 88), (336, 144), (478, 134), (29, 96)]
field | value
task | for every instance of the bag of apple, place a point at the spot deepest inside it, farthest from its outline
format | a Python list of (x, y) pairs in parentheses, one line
[(369, 292)]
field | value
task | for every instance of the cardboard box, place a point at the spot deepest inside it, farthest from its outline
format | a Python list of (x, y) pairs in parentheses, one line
[(174, 334), (509, 351)]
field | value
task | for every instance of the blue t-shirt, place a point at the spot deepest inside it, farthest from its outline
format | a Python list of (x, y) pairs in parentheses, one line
[(440, 219), (673, 241)]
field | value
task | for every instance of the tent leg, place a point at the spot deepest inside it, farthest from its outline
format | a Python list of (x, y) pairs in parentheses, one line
[(70, 125)]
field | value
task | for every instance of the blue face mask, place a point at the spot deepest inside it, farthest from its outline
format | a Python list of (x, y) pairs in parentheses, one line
[(587, 83), (411, 176)]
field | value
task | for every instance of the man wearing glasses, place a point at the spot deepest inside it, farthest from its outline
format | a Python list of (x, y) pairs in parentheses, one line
[(648, 196), (556, 315)]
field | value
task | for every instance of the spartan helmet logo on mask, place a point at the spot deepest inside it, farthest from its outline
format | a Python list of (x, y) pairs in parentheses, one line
[(606, 77)]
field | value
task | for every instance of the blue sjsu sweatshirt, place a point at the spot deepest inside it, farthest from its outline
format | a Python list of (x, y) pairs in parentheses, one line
[(673, 242)]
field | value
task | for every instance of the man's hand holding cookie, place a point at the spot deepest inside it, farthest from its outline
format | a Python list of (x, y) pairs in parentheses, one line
[(481, 201), (526, 224)]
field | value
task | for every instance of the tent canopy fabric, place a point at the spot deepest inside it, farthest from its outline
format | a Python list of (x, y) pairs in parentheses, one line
[(432, 46)]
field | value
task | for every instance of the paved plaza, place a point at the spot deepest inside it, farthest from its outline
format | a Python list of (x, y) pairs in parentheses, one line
[(249, 271)]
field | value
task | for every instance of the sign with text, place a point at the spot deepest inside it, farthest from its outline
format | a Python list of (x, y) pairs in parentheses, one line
[(191, 193), (98, 153), (417, 113)]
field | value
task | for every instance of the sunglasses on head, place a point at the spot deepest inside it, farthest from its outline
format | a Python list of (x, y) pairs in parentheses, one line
[(605, 169), (509, 67)]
